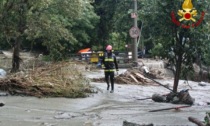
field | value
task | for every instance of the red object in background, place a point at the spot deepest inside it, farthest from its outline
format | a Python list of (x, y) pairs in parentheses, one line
[(84, 50)]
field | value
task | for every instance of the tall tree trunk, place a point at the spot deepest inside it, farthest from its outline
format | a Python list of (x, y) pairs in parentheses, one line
[(16, 55), (177, 73), (179, 58), (21, 27)]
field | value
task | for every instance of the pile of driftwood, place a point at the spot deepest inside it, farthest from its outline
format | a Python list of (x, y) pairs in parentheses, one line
[(131, 76), (21, 86), (53, 80)]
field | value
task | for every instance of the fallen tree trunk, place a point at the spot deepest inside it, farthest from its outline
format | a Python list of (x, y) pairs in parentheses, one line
[(196, 121)]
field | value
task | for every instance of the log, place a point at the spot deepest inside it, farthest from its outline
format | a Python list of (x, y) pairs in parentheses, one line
[(141, 76), (144, 98), (176, 108), (196, 121), (134, 78)]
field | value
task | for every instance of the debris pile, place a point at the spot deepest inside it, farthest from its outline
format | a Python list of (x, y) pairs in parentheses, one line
[(132, 76), (182, 97), (52, 80)]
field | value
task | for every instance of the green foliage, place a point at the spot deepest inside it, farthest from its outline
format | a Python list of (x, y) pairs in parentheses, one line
[(69, 25), (180, 46), (171, 35), (13, 17), (59, 25), (116, 40), (84, 27), (51, 23), (156, 51), (106, 9)]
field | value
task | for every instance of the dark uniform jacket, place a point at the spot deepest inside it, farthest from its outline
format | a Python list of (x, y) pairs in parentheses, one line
[(109, 62)]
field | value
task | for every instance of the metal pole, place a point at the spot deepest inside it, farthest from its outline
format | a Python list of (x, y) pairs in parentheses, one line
[(135, 51)]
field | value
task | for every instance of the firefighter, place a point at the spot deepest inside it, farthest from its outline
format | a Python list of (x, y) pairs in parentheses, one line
[(109, 63)]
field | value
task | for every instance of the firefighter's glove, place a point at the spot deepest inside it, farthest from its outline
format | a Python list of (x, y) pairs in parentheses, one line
[(117, 72)]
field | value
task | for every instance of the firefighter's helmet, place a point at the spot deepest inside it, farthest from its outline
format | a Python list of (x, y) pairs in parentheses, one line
[(109, 48)]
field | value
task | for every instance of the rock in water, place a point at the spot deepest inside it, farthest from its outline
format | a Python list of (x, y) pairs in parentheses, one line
[(125, 123), (158, 98), (1, 104), (185, 97)]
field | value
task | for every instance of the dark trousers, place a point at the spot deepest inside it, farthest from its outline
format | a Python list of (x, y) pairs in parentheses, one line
[(109, 76)]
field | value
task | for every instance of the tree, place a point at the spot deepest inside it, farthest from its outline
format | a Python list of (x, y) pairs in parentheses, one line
[(51, 23), (84, 28), (106, 10), (13, 25), (63, 26), (48, 20), (181, 45)]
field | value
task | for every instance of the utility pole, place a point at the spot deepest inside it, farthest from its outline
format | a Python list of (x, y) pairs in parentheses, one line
[(134, 33), (135, 51)]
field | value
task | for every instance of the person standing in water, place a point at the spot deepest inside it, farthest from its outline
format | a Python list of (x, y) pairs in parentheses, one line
[(109, 63)]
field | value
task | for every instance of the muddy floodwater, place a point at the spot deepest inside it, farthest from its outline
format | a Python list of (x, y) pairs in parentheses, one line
[(104, 108)]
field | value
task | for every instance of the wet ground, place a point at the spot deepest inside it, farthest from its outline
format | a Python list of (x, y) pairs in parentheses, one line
[(104, 108)]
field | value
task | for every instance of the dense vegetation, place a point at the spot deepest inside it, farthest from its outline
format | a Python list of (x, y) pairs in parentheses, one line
[(60, 27)]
